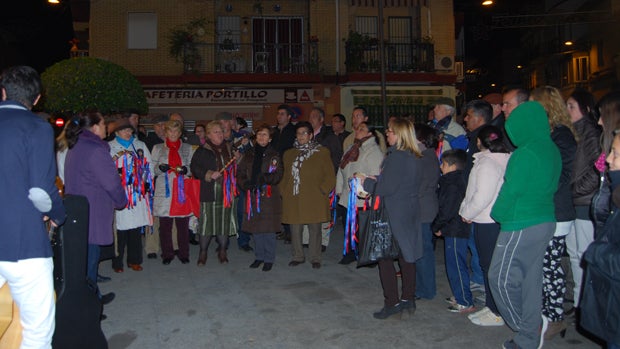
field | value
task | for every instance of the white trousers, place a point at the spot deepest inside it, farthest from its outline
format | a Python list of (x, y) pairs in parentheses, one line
[(32, 288), (577, 241)]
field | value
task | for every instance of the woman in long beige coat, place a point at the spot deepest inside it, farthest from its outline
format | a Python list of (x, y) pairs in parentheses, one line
[(308, 180)]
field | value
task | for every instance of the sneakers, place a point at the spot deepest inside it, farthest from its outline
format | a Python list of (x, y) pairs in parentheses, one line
[(478, 313), (461, 309), (510, 344), (451, 300), (488, 319)]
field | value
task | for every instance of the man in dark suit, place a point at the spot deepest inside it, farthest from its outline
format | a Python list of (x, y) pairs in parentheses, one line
[(28, 197)]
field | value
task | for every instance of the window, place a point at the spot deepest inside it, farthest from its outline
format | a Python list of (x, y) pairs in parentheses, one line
[(277, 42), (141, 30), (366, 25), (228, 32), (581, 69)]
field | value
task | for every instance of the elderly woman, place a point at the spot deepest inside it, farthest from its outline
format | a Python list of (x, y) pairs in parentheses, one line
[(259, 172), (308, 180), (364, 156), (90, 172), (133, 161), (217, 213), (398, 185), (170, 162)]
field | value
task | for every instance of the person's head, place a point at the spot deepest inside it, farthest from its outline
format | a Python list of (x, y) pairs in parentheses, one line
[(363, 130), (200, 131), (444, 107), (177, 117), (316, 118), (478, 113), (512, 97), (227, 121), (495, 100), (173, 130), (21, 84), (123, 129), (240, 123), (453, 160), (613, 158), (264, 133), (215, 132), (285, 113), (92, 121), (358, 116), (339, 122), (159, 121), (304, 132), (491, 138), (554, 105), (427, 135), (133, 116), (401, 135), (609, 109), (580, 104)]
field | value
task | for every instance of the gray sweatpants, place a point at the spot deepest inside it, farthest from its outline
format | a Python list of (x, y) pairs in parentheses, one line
[(515, 279)]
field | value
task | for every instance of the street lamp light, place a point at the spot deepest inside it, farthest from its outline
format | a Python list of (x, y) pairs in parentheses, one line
[(487, 3), (55, 2)]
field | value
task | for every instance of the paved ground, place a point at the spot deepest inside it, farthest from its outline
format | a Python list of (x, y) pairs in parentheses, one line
[(232, 306)]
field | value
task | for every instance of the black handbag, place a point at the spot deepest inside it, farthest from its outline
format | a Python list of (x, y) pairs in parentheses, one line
[(377, 241)]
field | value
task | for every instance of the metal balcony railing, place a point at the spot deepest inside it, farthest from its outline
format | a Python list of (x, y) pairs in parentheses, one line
[(413, 57), (228, 57)]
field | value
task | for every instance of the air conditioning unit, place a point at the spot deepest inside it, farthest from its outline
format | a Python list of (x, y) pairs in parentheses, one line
[(444, 62), (458, 69)]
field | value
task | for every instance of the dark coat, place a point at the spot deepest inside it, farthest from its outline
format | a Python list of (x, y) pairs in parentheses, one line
[(452, 188), (90, 171), (565, 141), (329, 140), (600, 301), (429, 203), (202, 166), (399, 187), (28, 162), (585, 177), (269, 219), (283, 139)]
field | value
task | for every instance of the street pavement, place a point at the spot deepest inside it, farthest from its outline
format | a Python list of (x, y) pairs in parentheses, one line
[(233, 306)]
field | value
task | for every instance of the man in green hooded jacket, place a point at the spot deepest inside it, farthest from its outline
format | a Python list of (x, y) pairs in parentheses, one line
[(526, 212)]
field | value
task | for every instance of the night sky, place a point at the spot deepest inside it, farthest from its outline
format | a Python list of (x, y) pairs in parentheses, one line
[(34, 33)]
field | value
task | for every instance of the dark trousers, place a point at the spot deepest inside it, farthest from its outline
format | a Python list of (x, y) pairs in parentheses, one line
[(244, 238), (389, 282), (426, 286), (132, 239), (165, 236), (486, 238), (92, 265), (265, 247)]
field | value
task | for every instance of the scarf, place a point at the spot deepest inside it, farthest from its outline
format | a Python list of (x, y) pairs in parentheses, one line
[(221, 154), (354, 152), (174, 159), (125, 143), (305, 151)]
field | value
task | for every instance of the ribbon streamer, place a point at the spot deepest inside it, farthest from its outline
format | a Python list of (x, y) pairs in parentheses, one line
[(351, 226)]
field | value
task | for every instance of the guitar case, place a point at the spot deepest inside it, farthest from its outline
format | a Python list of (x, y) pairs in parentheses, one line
[(78, 308)]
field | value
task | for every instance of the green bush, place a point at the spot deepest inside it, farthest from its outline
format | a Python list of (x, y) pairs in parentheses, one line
[(85, 83)]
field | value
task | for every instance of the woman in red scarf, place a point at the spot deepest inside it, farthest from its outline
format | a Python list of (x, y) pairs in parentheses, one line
[(170, 163)]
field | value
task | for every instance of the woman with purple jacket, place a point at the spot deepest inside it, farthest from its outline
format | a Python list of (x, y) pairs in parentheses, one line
[(90, 172)]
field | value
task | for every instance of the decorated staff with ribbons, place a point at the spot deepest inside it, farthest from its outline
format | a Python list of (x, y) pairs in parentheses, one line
[(215, 165), (365, 157), (170, 164), (260, 170), (133, 161)]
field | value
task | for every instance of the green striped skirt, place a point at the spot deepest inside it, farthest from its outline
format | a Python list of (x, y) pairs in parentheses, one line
[(215, 219)]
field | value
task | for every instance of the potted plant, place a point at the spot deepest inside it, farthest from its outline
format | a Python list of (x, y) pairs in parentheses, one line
[(182, 40)]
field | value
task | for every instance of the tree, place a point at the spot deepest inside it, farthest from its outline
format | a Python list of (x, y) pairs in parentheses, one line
[(79, 84)]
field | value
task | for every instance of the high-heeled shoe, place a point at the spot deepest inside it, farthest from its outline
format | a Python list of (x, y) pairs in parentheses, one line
[(202, 258), (135, 267), (554, 328)]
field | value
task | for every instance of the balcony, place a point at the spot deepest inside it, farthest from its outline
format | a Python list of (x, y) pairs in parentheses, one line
[(228, 57), (405, 58)]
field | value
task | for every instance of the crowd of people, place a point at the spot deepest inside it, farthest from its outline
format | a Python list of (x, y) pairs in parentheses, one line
[(512, 183)]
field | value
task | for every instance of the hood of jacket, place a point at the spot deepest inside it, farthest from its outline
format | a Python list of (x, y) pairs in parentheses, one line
[(528, 123)]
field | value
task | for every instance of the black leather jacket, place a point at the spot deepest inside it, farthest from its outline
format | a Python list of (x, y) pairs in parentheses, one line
[(585, 179)]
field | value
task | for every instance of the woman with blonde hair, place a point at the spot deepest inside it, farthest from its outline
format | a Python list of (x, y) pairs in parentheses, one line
[(562, 134), (398, 186), (170, 162)]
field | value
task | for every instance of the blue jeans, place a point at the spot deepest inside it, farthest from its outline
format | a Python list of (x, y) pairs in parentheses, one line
[(426, 286), (611, 345), (476, 270), (456, 268), (92, 265)]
